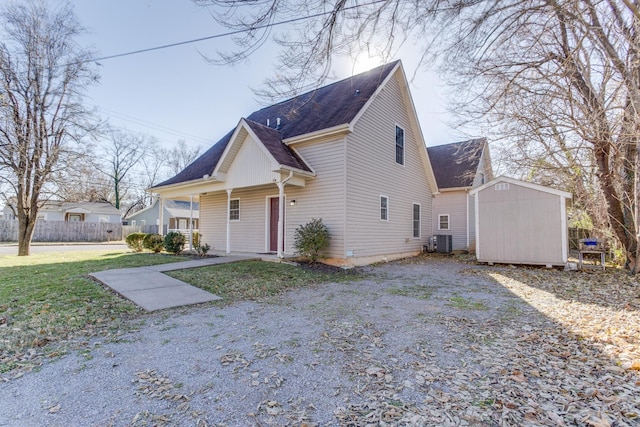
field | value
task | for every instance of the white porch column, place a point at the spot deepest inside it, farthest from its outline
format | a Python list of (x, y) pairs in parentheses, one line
[(280, 219), (229, 220), (160, 215), (281, 184), (191, 222)]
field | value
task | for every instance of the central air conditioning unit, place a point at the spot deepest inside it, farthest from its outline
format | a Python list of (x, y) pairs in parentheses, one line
[(444, 243)]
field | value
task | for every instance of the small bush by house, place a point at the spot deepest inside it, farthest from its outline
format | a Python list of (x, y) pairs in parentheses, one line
[(153, 242), (135, 241), (311, 238), (174, 242)]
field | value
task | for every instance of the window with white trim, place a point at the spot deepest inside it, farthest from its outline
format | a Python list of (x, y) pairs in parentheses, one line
[(234, 209), (416, 221), (384, 208), (443, 222), (399, 145)]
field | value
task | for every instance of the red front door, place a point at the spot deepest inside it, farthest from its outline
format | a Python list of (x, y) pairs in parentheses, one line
[(273, 224)]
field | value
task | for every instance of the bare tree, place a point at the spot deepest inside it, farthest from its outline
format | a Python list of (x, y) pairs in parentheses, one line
[(559, 79), (43, 74), (180, 156), (121, 154)]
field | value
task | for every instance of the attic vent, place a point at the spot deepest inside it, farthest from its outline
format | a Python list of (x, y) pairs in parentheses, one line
[(357, 92), (502, 186)]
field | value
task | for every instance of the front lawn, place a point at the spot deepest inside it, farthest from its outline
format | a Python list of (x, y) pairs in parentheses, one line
[(252, 280), (48, 298)]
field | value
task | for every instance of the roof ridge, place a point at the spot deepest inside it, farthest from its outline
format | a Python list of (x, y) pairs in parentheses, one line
[(310, 92)]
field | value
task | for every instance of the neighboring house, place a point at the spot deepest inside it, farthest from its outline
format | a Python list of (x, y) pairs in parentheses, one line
[(351, 153), (176, 214), (521, 223), (74, 212), (458, 168)]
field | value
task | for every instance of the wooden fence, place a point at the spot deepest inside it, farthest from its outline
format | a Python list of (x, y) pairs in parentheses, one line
[(148, 229), (63, 231)]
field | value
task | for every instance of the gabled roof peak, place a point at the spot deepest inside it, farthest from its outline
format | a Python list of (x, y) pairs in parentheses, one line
[(326, 107)]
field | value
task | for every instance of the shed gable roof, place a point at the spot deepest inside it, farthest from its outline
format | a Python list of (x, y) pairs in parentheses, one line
[(531, 185), (324, 108), (455, 165)]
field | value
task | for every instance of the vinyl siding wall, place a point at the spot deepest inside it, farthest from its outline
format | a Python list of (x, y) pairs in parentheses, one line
[(519, 225), (322, 197), (372, 171), (454, 204), (149, 216)]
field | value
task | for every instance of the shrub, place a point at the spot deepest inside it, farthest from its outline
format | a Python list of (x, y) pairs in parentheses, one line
[(135, 241), (153, 242), (311, 238), (203, 249), (195, 239), (174, 242)]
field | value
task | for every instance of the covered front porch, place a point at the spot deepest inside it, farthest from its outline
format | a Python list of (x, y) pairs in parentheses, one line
[(243, 200)]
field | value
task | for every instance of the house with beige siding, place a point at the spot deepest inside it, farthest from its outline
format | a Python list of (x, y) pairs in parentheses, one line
[(520, 222), (351, 153), (458, 168)]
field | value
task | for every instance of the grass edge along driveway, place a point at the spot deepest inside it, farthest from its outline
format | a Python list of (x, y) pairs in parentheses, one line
[(47, 302)]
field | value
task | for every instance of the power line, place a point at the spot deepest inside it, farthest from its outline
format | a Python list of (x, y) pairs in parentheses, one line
[(153, 126), (230, 33)]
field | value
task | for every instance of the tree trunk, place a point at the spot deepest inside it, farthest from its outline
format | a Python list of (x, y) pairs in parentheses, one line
[(26, 227)]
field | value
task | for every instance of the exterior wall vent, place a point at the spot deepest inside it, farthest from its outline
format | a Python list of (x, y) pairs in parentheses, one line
[(502, 186)]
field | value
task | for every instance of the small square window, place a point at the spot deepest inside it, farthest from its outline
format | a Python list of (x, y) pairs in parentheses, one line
[(443, 222), (234, 209), (399, 145), (384, 208)]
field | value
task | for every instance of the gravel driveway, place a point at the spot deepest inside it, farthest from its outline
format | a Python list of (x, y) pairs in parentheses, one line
[(426, 342)]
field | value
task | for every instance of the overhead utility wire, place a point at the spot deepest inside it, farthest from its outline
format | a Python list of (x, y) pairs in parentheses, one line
[(151, 125), (231, 33)]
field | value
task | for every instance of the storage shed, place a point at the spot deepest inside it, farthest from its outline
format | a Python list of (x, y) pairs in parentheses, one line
[(519, 222)]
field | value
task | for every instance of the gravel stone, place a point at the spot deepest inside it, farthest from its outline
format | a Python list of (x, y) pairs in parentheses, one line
[(426, 341)]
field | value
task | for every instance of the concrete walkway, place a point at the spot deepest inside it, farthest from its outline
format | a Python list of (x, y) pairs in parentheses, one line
[(148, 288)]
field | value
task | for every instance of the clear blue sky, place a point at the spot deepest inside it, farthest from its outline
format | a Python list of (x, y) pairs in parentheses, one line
[(175, 94)]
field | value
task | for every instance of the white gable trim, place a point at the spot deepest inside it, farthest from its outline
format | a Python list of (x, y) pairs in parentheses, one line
[(277, 166), (563, 194)]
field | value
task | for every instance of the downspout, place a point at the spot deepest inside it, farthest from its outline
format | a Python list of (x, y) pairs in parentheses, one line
[(228, 250), (281, 185)]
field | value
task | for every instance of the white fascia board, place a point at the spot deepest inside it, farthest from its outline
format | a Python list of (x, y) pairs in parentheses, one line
[(335, 130), (530, 185), (182, 186)]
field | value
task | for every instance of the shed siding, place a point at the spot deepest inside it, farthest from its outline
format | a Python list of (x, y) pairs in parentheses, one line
[(454, 204), (372, 171), (519, 225)]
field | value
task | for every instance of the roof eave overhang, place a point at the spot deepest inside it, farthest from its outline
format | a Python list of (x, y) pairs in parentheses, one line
[(183, 185), (451, 189), (296, 171), (338, 130)]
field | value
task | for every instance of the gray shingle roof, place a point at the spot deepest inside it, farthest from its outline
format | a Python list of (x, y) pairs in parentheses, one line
[(455, 165), (323, 108)]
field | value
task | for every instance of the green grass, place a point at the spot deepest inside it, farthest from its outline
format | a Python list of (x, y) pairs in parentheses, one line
[(251, 280), (418, 292), (47, 298), (465, 304)]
